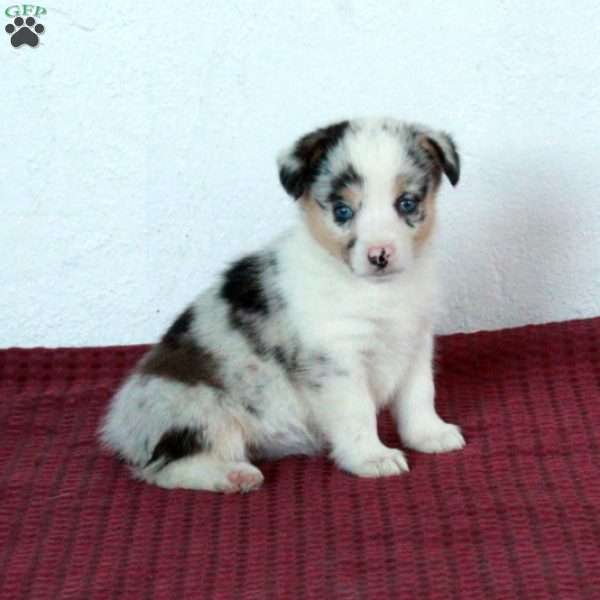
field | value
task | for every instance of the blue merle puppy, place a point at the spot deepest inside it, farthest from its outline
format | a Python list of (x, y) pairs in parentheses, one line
[(296, 347)]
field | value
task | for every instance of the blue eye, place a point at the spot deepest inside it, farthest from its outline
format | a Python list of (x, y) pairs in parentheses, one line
[(342, 213), (407, 204)]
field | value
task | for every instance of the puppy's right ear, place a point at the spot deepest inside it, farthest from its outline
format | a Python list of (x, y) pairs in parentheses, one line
[(300, 164)]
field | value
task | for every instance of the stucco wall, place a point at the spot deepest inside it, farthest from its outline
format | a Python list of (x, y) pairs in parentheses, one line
[(138, 146)]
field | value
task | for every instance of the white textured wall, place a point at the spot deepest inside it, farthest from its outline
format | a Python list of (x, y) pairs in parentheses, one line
[(138, 143)]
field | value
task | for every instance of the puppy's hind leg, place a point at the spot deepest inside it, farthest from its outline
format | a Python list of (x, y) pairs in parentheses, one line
[(212, 458), (206, 472)]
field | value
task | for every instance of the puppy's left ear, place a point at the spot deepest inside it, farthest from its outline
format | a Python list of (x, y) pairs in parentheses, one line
[(440, 146)]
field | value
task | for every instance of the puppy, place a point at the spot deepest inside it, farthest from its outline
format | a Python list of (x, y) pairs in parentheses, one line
[(297, 346)]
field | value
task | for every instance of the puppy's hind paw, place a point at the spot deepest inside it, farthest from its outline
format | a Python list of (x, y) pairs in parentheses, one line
[(244, 478)]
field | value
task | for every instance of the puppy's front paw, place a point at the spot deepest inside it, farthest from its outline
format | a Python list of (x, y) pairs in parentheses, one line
[(386, 462), (438, 437)]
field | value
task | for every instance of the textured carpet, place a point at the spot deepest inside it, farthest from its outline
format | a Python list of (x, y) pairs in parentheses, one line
[(514, 515)]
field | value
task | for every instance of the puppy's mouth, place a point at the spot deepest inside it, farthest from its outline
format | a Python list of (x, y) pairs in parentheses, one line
[(377, 276), (383, 275)]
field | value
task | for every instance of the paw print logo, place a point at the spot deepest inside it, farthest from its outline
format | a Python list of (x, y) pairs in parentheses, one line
[(24, 32)]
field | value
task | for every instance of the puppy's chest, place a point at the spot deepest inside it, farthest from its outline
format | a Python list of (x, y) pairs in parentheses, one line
[(392, 342), (377, 343), (380, 327)]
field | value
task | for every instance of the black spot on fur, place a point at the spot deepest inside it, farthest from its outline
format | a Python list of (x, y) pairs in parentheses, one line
[(279, 355), (299, 170), (253, 410), (251, 298), (180, 358), (351, 244), (178, 443), (243, 287)]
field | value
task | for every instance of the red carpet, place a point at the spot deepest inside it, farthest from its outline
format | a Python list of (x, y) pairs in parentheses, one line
[(514, 515)]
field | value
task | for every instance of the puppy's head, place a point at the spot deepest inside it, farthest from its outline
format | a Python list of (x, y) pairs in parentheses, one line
[(367, 190)]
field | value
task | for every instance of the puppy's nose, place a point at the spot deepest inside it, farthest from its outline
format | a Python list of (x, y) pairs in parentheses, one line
[(380, 255)]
